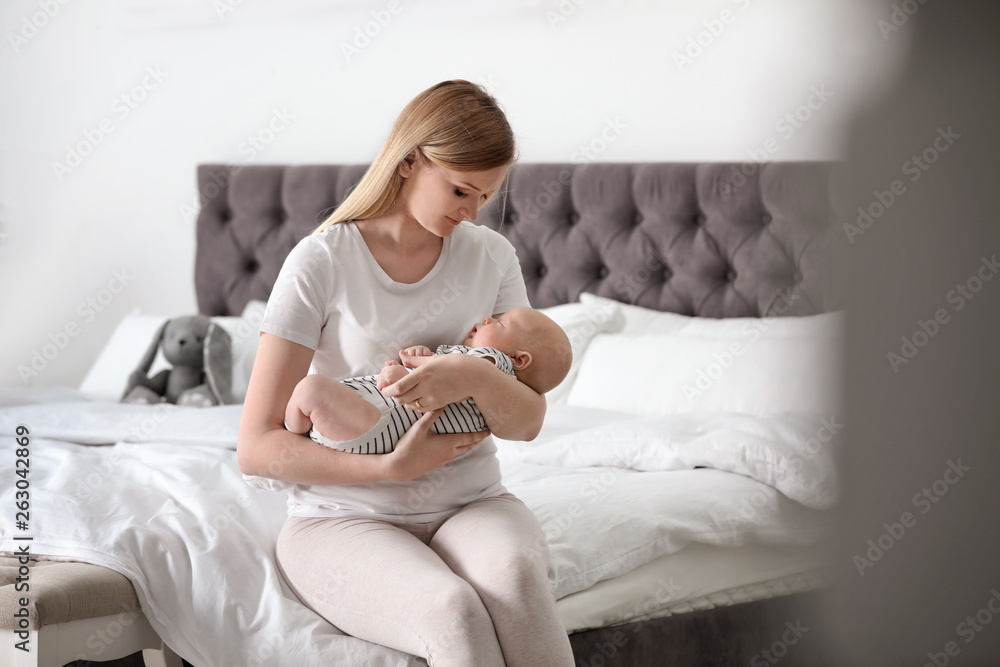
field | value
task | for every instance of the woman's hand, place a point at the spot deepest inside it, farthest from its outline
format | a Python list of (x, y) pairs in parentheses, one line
[(419, 450), (415, 351), (436, 381), (391, 372), (512, 409)]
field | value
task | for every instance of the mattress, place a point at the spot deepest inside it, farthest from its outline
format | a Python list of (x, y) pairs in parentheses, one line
[(699, 576)]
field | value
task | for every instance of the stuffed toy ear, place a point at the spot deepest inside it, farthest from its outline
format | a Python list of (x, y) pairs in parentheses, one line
[(142, 370), (147, 359), (219, 363)]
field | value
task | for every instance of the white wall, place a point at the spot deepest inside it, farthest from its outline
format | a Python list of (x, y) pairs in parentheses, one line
[(561, 70)]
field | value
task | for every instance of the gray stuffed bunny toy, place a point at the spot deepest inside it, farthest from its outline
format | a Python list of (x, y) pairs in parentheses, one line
[(201, 353)]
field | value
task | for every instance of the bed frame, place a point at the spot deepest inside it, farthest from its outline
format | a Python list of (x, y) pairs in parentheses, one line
[(710, 240)]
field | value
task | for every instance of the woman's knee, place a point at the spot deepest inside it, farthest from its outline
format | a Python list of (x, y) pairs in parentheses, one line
[(458, 612), (523, 569), (456, 598)]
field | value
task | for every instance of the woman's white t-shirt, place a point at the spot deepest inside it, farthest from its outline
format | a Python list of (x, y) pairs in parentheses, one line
[(333, 297)]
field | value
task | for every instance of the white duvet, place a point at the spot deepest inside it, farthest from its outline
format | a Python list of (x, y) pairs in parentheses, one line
[(155, 493)]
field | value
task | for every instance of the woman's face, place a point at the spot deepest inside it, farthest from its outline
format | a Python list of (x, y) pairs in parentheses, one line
[(439, 199)]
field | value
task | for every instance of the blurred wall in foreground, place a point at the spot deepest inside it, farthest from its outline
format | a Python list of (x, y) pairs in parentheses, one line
[(919, 558)]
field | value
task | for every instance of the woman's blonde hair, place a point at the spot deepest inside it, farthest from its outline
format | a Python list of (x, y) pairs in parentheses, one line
[(454, 124)]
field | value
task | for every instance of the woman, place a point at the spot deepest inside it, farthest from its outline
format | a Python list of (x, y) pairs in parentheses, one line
[(421, 549)]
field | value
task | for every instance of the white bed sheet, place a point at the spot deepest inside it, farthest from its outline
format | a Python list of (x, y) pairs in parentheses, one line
[(167, 507)]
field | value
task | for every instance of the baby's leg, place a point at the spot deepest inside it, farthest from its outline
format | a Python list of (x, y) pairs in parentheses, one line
[(334, 409)]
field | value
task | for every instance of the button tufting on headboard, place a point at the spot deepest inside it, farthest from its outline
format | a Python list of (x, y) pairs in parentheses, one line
[(655, 234)]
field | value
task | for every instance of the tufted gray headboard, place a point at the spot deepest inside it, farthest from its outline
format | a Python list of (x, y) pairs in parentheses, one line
[(705, 239)]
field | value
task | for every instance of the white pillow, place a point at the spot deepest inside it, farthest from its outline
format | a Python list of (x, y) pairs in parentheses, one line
[(245, 332), (637, 319), (749, 365), (581, 322), (131, 338)]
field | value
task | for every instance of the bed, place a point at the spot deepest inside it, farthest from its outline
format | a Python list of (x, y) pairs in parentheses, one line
[(685, 475)]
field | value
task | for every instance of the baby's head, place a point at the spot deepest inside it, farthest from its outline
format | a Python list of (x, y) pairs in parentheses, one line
[(539, 348)]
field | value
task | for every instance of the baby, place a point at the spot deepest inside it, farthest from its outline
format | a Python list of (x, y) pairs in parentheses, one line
[(354, 416)]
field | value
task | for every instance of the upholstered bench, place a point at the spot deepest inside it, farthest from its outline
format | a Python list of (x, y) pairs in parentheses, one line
[(74, 611)]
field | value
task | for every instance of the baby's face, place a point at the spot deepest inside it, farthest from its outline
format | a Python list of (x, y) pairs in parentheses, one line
[(503, 333)]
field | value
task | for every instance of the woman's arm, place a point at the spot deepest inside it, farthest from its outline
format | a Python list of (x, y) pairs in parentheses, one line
[(265, 448), (512, 409)]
